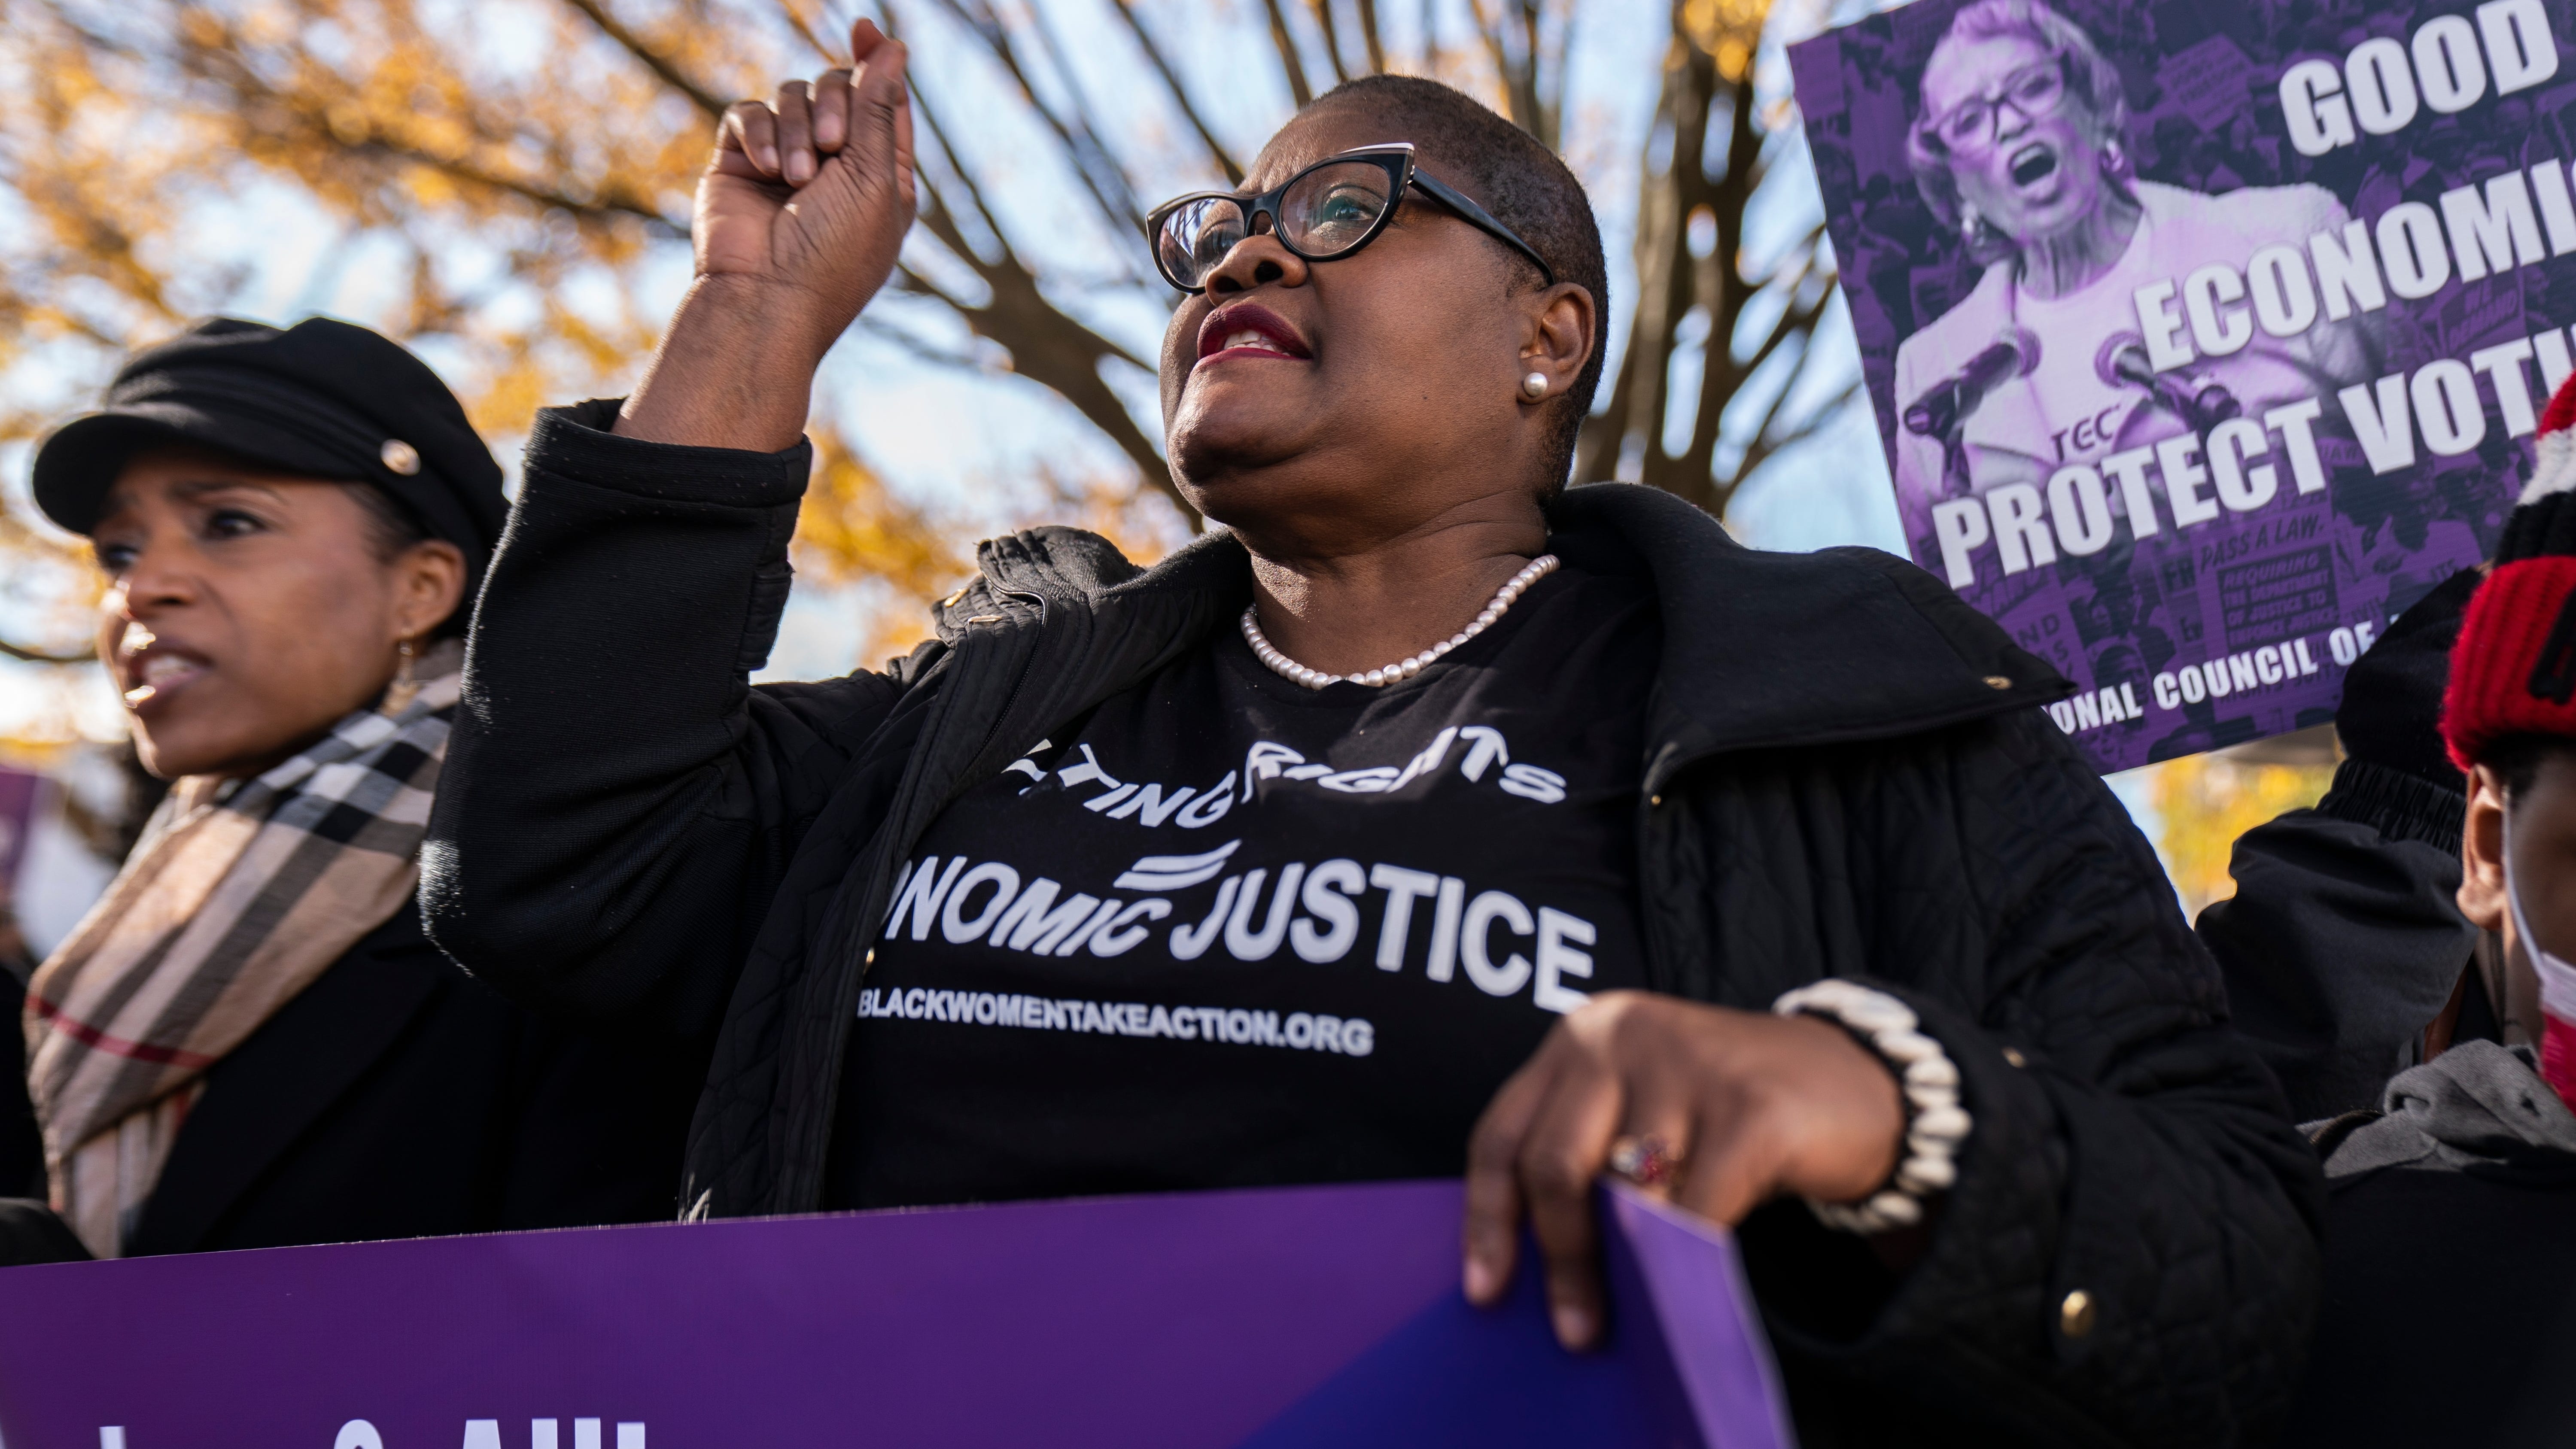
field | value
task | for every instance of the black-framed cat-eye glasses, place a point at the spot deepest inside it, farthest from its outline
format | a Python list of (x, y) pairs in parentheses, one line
[(1329, 210)]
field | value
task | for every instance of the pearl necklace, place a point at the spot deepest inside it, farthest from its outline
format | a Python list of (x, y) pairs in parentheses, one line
[(1289, 669)]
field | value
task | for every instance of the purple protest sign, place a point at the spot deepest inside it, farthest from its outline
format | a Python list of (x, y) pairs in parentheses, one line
[(2204, 336), (1281, 1317)]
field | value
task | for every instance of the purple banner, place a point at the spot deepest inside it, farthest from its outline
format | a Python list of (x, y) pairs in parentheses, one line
[(2204, 336), (1272, 1318)]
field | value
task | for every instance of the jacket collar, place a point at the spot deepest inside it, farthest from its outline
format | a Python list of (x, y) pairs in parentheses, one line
[(1761, 650)]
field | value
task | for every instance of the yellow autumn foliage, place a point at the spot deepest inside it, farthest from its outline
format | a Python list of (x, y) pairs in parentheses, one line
[(2207, 801), (1729, 30), (548, 166)]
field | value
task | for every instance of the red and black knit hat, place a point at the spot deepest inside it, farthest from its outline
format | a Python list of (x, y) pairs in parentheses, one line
[(2513, 671)]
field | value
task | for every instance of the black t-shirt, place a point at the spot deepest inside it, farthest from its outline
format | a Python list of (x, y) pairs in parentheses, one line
[(1228, 931)]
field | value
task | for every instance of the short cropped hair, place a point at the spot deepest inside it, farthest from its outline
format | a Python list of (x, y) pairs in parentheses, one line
[(1526, 188), (2517, 760), (2090, 78)]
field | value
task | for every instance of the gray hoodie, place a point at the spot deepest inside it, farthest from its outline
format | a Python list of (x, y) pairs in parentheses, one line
[(2478, 1108)]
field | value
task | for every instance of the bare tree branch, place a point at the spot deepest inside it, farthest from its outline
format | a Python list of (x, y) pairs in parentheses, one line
[(612, 205), (918, 346), (1719, 161), (225, 67), (1095, 154), (1322, 10), (1667, 286), (1771, 407), (1519, 72), (1286, 44), (1797, 319), (1542, 116), (913, 281), (39, 656), (655, 61), (1764, 449), (1099, 173), (1180, 94), (936, 216), (1371, 38), (1048, 347), (805, 31)]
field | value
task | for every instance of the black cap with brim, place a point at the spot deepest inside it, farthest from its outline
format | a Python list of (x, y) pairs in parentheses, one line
[(322, 399)]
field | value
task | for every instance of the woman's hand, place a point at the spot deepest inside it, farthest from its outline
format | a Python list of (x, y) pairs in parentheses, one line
[(1750, 1106), (800, 215), (812, 193)]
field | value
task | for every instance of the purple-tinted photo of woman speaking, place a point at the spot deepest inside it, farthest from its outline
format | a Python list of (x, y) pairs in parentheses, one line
[(2203, 336), (2020, 146)]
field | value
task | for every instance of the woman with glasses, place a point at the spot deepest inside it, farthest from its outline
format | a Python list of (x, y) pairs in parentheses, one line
[(1431, 818), (2020, 146)]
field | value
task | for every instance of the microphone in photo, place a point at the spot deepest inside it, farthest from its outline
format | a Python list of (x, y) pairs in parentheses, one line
[(2123, 361), (1946, 404)]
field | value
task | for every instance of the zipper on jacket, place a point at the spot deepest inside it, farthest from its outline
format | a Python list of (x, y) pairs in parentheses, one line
[(1663, 972)]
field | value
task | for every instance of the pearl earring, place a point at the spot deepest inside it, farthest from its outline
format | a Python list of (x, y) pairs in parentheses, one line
[(405, 688), (1534, 386)]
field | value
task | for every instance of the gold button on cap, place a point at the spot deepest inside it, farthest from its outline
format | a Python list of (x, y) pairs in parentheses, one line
[(399, 456), (2014, 1056), (2075, 1315), (1997, 681)]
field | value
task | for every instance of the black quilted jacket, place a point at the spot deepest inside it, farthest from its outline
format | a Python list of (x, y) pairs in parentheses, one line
[(1844, 776)]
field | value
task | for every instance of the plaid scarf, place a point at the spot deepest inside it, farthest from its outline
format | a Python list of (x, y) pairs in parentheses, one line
[(234, 900)]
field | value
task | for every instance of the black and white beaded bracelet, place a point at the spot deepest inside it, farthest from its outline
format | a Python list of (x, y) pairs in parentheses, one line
[(1935, 1123)]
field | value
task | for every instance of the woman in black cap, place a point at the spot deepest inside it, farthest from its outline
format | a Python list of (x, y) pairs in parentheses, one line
[(1434, 816), (248, 1042)]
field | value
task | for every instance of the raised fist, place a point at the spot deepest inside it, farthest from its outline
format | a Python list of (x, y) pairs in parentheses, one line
[(800, 216), (812, 193)]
